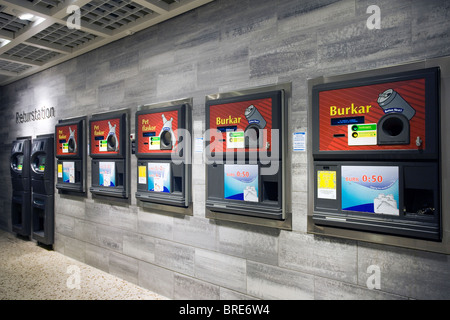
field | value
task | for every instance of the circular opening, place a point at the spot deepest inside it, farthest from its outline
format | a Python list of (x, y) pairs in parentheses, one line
[(16, 161), (253, 135), (166, 138), (111, 142), (393, 126), (71, 145), (35, 163)]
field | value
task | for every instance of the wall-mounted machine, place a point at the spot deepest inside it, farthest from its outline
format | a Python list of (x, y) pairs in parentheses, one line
[(42, 181), (70, 150), (163, 139), (376, 151), (246, 154), (21, 186), (109, 150)]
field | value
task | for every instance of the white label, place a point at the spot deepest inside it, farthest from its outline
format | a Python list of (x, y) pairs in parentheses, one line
[(299, 141), (199, 145), (362, 134), (235, 139)]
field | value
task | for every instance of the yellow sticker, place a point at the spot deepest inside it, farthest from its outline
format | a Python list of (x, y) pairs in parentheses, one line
[(142, 173), (326, 184), (60, 170)]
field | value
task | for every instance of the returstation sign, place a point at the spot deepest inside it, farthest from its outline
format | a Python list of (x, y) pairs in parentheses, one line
[(37, 114)]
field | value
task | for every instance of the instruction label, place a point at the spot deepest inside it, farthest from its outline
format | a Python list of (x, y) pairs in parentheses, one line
[(362, 134), (299, 141), (326, 185), (235, 139)]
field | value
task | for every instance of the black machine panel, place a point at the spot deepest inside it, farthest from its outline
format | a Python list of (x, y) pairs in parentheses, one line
[(70, 151), (376, 149), (163, 148), (42, 180), (21, 186), (244, 151), (109, 150)]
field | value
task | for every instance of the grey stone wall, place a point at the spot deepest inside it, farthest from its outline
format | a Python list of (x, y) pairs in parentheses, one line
[(224, 46)]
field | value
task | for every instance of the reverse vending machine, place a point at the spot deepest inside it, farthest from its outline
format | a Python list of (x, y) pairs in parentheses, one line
[(376, 150), (21, 186), (42, 181), (70, 151), (246, 153), (163, 149), (109, 150)]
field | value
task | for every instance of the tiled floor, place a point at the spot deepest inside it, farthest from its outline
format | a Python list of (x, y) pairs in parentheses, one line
[(30, 272)]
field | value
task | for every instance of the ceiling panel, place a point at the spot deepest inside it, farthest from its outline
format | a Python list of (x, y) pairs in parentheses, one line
[(47, 38)]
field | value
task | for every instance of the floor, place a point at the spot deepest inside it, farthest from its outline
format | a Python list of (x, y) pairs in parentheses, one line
[(31, 272)]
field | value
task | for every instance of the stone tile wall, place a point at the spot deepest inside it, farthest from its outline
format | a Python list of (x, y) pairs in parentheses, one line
[(224, 46)]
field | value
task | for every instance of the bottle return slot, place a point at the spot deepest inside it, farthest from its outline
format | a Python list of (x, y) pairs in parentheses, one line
[(71, 154), (110, 154), (42, 175), (246, 172), (379, 173), (163, 134), (21, 186)]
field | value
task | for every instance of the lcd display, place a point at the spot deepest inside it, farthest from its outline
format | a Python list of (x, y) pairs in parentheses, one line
[(371, 189), (159, 177), (107, 174), (68, 171), (241, 182), (19, 163), (39, 163)]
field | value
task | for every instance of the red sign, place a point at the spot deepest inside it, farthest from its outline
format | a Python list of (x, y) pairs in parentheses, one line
[(66, 140), (151, 128), (350, 117), (232, 119), (105, 136)]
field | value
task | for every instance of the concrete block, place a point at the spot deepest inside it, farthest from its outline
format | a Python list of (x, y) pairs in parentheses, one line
[(187, 288), (271, 282), (406, 272), (123, 267), (322, 256), (156, 279), (221, 269), (249, 242), (174, 256)]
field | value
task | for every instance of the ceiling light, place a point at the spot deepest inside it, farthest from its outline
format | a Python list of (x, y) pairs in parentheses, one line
[(25, 16), (4, 42)]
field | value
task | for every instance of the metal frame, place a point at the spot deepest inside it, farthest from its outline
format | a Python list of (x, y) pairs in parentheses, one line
[(285, 224), (126, 152), (30, 46), (161, 208), (441, 247)]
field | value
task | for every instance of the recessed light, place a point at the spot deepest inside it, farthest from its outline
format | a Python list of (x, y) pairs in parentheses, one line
[(25, 16), (4, 42)]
